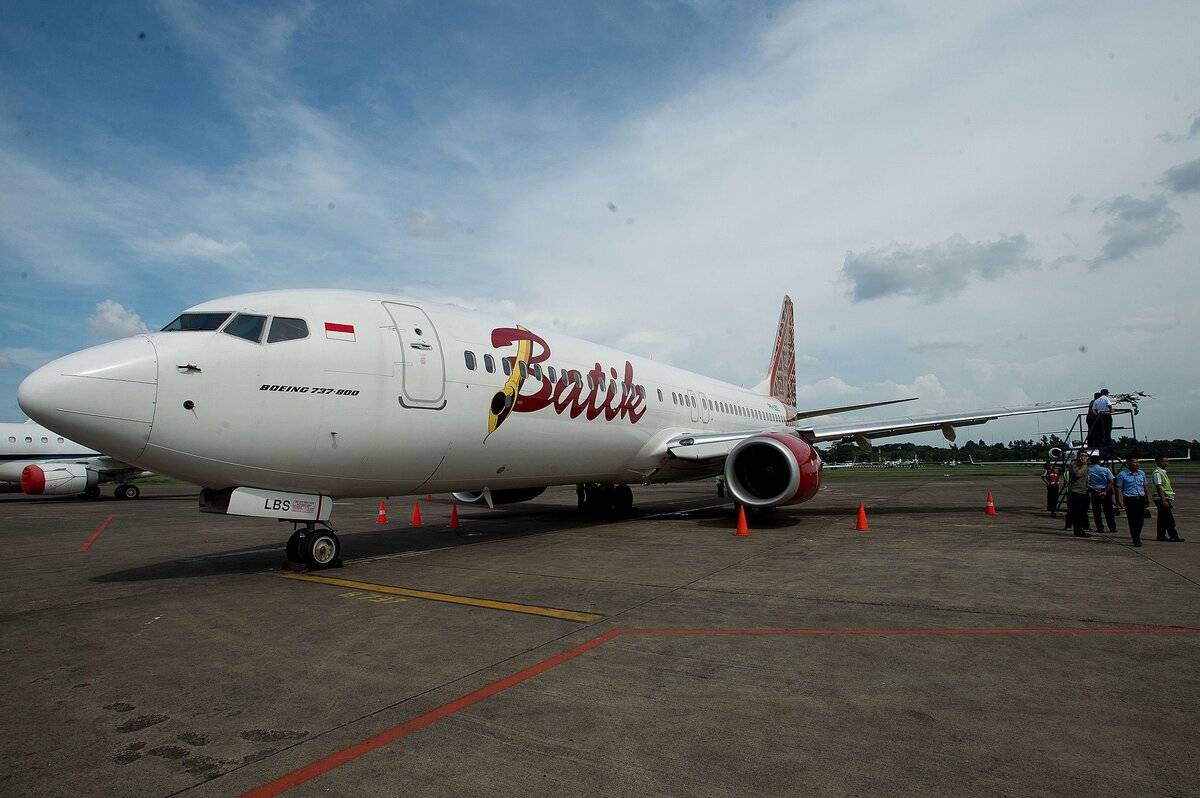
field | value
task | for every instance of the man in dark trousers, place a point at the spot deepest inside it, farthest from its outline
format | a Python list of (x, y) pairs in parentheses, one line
[(1102, 407), (1100, 489), (1131, 496), (1050, 479), (1164, 500), (1094, 432), (1077, 495)]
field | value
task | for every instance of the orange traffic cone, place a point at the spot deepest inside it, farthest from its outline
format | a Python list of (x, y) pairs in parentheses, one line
[(991, 506), (382, 517), (743, 531), (454, 516), (416, 517), (861, 525)]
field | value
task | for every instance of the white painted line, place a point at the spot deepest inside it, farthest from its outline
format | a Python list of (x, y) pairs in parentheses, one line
[(687, 512)]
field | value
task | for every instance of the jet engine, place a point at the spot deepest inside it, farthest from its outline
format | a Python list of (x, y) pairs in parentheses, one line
[(54, 479), (507, 496), (773, 469)]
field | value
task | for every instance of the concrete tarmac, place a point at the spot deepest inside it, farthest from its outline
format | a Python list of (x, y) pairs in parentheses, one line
[(150, 650)]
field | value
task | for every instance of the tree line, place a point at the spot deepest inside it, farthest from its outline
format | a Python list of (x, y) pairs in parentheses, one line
[(983, 452)]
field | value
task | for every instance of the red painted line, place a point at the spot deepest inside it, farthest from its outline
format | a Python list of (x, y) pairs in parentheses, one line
[(388, 736), (1042, 631), (87, 544), (311, 771)]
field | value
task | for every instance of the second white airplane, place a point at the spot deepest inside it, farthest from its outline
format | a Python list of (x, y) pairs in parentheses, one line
[(277, 402)]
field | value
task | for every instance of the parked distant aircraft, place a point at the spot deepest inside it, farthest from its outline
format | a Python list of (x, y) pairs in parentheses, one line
[(276, 402), (37, 461)]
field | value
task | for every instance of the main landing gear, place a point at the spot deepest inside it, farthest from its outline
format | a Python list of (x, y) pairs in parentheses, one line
[(316, 548), (127, 492), (598, 499)]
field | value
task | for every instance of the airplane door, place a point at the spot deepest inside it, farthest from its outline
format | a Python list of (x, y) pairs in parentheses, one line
[(694, 405), (420, 365), (705, 413)]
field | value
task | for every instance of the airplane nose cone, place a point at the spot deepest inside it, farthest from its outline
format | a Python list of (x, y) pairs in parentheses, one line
[(102, 397)]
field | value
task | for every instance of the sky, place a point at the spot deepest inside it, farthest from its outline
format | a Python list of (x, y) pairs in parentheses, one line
[(977, 204)]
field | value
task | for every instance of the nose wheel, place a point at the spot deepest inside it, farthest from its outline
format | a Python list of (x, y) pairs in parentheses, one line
[(315, 548)]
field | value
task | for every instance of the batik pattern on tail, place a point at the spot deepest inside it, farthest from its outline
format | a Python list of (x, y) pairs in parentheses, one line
[(782, 376)]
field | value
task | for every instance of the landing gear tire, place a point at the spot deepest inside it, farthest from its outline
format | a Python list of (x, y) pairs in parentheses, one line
[(321, 549), (92, 492), (127, 492), (293, 546), (622, 499)]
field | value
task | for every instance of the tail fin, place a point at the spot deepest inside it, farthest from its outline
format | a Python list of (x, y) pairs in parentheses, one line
[(781, 379)]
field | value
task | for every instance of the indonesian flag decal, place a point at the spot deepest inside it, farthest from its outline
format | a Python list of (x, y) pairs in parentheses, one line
[(339, 332)]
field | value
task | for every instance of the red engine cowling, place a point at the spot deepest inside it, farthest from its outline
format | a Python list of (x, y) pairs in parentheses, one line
[(53, 479), (773, 469)]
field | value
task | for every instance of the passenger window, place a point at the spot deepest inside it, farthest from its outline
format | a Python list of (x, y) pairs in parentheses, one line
[(285, 329), (60, 440), (45, 440), (524, 370), (246, 326), (660, 396), (12, 438), (28, 439), (469, 357), (591, 383), (553, 374), (196, 322), (507, 366), (536, 370), (489, 364)]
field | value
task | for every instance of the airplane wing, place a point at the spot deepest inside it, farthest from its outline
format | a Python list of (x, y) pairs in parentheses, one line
[(708, 446), (865, 431)]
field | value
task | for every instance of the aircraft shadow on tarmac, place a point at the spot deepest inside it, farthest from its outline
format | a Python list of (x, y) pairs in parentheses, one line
[(500, 524)]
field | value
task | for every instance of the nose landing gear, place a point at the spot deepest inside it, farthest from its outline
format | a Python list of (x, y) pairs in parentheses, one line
[(315, 548)]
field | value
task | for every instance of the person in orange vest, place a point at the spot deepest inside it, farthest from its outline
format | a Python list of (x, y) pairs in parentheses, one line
[(1050, 479)]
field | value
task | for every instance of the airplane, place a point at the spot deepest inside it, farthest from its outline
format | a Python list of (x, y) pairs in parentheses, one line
[(275, 403), (37, 461)]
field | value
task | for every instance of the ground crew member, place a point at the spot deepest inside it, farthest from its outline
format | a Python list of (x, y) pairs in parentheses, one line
[(1050, 479), (1131, 495), (1100, 489), (1077, 495), (1164, 500)]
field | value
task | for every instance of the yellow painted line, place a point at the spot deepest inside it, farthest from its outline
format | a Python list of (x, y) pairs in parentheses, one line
[(449, 598)]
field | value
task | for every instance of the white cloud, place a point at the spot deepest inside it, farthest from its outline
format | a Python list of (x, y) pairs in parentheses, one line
[(112, 320), (424, 223), (193, 246)]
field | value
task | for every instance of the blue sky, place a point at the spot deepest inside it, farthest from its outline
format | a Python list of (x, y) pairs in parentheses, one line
[(973, 205)]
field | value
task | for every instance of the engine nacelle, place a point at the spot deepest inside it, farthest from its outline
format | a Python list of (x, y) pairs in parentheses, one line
[(507, 496), (55, 479), (773, 469)]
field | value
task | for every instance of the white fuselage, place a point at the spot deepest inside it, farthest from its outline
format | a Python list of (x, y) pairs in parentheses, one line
[(382, 402), (23, 444)]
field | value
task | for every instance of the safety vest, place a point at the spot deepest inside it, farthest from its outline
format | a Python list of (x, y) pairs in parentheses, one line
[(1161, 474)]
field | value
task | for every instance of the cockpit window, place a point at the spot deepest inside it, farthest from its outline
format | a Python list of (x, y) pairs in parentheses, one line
[(196, 322), (285, 329), (245, 325)]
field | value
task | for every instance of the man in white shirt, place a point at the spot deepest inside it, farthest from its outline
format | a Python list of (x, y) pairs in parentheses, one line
[(1102, 411)]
